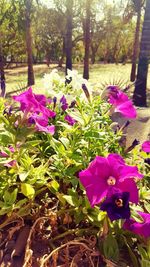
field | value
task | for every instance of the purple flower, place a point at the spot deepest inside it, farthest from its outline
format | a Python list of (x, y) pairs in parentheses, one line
[(54, 102), (146, 146), (11, 149), (139, 228), (85, 89), (10, 164), (64, 104), (6, 155), (116, 205), (73, 103), (3, 154), (104, 173), (121, 102), (70, 120), (8, 110)]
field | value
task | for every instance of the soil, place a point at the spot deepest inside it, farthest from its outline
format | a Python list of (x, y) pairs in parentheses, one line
[(32, 246)]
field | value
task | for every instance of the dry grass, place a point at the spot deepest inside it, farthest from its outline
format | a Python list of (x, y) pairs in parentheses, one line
[(99, 74)]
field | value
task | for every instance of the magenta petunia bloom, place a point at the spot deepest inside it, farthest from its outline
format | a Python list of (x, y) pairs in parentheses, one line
[(41, 123), (47, 129), (146, 146), (121, 102), (70, 120), (139, 228), (10, 164), (104, 173), (3, 154), (30, 102)]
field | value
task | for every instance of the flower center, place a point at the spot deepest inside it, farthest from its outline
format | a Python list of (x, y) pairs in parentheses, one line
[(119, 202), (111, 180)]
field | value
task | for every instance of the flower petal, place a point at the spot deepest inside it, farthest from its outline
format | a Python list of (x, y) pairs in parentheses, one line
[(95, 190), (127, 109), (122, 103), (128, 185), (94, 179), (129, 172), (47, 129), (146, 146), (142, 229)]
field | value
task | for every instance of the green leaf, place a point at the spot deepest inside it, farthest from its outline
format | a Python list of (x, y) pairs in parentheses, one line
[(147, 207), (10, 197), (145, 263), (23, 176), (70, 200), (143, 252), (136, 216), (27, 190), (110, 247), (65, 141), (31, 143), (5, 210), (53, 186), (57, 146), (132, 255)]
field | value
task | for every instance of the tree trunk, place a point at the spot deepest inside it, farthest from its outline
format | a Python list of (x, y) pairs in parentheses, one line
[(28, 4), (63, 54), (136, 46), (93, 53), (139, 96), (2, 74), (87, 40), (68, 42)]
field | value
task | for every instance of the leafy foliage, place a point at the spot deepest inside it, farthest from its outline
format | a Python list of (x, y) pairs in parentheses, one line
[(39, 171)]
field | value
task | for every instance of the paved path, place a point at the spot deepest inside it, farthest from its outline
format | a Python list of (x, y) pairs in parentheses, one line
[(139, 128)]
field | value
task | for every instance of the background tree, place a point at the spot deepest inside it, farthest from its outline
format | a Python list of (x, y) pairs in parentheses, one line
[(28, 11), (137, 5), (139, 96), (68, 41), (86, 29), (7, 35)]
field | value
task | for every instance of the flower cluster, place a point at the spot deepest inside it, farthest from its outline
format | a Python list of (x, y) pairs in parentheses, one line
[(35, 111), (108, 181), (120, 101), (146, 146)]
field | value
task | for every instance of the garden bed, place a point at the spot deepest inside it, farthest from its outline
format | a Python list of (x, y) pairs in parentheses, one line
[(71, 192)]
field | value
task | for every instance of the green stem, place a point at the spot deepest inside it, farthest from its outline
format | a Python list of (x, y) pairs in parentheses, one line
[(73, 231)]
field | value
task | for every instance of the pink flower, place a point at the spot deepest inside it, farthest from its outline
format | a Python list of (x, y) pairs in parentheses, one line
[(70, 120), (104, 173), (10, 164), (146, 146), (121, 102), (142, 228), (30, 102), (41, 123), (47, 129), (34, 107), (3, 154)]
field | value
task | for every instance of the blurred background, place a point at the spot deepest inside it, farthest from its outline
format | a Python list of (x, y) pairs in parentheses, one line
[(99, 38)]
